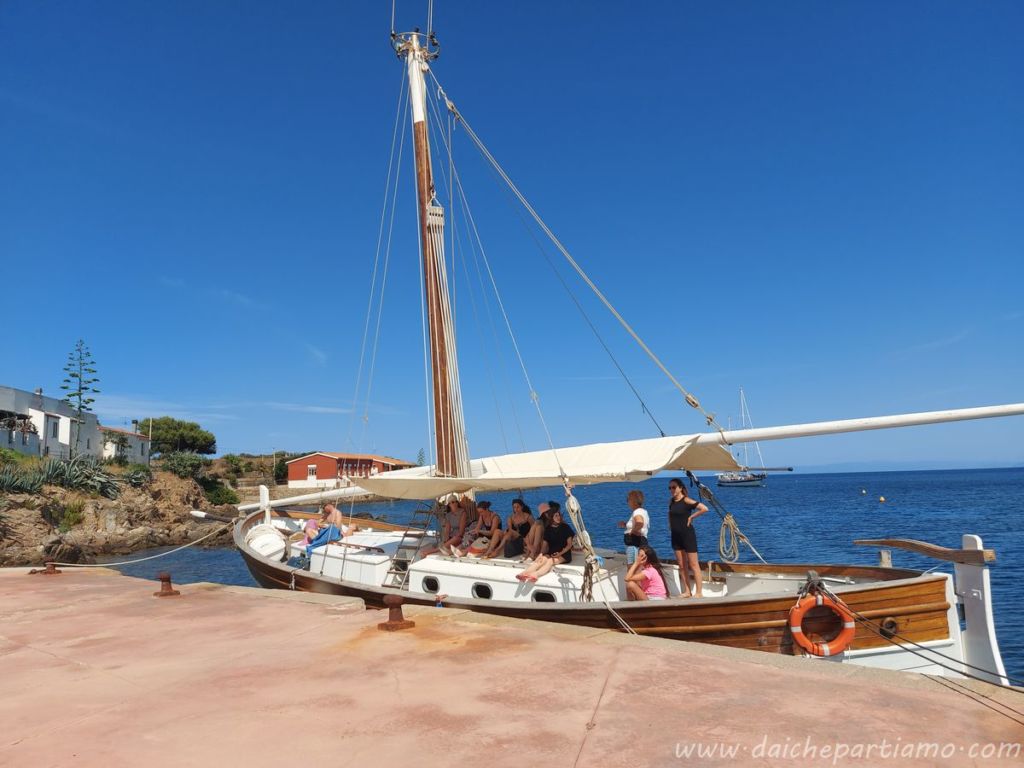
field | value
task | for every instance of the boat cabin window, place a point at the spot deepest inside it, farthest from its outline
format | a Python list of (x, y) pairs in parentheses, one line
[(543, 596), (482, 591), (430, 584)]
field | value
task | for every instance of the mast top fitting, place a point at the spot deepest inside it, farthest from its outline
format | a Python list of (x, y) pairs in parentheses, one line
[(403, 42)]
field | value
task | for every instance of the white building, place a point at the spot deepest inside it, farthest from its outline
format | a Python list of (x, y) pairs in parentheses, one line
[(130, 446), (38, 425)]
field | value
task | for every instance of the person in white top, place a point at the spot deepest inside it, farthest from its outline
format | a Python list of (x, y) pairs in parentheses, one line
[(638, 525)]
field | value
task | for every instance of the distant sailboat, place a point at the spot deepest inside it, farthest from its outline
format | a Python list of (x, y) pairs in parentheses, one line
[(745, 478)]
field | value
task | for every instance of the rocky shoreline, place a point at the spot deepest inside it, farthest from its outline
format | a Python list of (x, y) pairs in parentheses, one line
[(36, 527)]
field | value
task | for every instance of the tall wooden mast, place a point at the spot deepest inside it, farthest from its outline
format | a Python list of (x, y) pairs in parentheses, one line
[(449, 428)]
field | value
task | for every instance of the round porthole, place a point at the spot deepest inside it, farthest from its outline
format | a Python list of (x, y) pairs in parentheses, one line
[(482, 591), (540, 596), (430, 584)]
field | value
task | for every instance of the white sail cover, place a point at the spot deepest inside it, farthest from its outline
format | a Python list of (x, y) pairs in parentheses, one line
[(634, 460), (629, 460)]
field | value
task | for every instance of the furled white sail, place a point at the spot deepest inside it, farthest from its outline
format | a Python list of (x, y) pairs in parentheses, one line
[(634, 460), (628, 460)]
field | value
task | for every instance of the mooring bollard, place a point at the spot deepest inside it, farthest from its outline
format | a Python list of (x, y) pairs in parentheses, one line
[(395, 620), (50, 570), (166, 590)]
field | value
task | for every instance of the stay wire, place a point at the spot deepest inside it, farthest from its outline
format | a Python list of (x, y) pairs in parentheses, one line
[(376, 258), (586, 317), (691, 400)]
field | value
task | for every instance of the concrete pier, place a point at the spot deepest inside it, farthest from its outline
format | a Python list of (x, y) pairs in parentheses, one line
[(95, 670)]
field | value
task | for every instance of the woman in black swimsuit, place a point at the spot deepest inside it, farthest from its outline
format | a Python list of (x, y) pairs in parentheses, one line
[(511, 544), (682, 510), (558, 537)]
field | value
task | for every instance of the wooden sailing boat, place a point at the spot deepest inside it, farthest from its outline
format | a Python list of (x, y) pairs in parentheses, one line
[(905, 619)]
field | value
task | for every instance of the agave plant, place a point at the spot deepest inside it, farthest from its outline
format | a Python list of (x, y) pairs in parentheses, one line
[(16, 480), (82, 473)]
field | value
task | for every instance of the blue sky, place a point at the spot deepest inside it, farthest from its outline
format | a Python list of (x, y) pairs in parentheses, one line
[(820, 202)]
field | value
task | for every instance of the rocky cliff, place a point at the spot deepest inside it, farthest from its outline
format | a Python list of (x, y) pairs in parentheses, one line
[(68, 526)]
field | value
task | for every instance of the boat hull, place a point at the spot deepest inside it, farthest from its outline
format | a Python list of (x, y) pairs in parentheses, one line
[(915, 605), (742, 479)]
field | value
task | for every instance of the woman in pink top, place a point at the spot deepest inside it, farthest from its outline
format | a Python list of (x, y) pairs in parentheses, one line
[(310, 529), (645, 579)]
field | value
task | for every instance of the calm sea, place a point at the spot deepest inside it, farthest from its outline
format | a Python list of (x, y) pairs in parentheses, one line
[(794, 518)]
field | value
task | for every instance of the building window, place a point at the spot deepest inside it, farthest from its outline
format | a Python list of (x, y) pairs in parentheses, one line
[(88, 443), (24, 438), (142, 448), (10, 437), (53, 432), (311, 471)]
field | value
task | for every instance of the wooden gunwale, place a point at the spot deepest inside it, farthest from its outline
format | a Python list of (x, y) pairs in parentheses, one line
[(770, 623)]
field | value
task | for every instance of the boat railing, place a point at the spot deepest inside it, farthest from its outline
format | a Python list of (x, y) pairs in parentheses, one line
[(964, 556)]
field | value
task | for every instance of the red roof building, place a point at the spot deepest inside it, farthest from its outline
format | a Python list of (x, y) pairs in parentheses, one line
[(326, 469)]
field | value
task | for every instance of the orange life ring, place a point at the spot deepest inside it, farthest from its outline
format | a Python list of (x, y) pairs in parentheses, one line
[(837, 645)]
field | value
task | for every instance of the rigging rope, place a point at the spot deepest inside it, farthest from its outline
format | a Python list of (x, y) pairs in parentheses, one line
[(534, 397), (691, 400), (479, 274), (399, 113), (906, 641), (729, 535), (151, 557)]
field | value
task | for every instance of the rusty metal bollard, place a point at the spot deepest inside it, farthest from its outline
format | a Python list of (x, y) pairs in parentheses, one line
[(395, 620), (165, 586), (50, 570)]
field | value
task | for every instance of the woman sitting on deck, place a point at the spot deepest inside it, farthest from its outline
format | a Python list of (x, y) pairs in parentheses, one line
[(487, 526), (453, 526), (645, 580), (558, 538), (533, 547), (512, 542)]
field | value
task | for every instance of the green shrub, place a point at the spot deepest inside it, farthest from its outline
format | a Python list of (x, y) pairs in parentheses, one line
[(217, 492), (185, 464), (235, 465), (7, 456), (72, 515), (138, 475)]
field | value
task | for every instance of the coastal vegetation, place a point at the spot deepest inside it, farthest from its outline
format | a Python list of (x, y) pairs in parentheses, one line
[(175, 435), (82, 473), (184, 464)]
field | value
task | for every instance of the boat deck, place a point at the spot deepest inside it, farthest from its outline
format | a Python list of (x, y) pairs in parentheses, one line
[(209, 678)]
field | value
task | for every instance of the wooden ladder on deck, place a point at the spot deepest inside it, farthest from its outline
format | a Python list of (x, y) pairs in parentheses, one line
[(408, 547)]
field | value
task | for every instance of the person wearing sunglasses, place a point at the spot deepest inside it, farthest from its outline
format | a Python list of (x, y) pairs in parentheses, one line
[(682, 511)]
